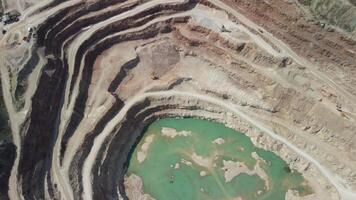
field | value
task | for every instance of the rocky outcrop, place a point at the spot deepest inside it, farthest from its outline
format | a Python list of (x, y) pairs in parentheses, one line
[(341, 13)]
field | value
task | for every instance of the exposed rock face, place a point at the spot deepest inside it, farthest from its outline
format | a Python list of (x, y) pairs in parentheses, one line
[(341, 13), (133, 184), (80, 93)]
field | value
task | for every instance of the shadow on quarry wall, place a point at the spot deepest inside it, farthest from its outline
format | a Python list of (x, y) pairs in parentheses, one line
[(76, 10), (22, 79), (7, 158), (100, 47), (40, 130), (110, 174), (37, 144), (7, 149), (149, 32), (5, 131)]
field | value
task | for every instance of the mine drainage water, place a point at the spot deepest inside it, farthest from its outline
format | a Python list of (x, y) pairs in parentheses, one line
[(200, 159)]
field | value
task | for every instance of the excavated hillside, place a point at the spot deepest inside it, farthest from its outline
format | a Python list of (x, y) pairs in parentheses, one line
[(341, 13), (82, 87)]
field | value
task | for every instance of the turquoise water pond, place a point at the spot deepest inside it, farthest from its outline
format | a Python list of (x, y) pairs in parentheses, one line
[(183, 159)]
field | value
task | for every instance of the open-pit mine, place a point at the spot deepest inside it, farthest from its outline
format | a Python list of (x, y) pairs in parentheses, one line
[(178, 99)]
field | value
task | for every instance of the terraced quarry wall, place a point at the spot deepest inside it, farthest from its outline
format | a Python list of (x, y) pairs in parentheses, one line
[(80, 93)]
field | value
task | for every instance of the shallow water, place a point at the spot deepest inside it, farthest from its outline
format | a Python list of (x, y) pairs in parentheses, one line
[(163, 181)]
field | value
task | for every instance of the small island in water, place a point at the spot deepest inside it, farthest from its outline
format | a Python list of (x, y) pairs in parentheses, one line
[(199, 159)]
